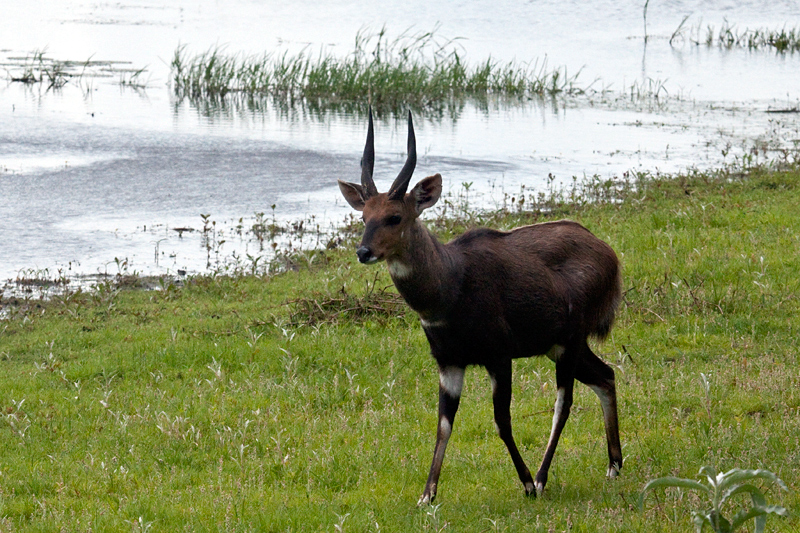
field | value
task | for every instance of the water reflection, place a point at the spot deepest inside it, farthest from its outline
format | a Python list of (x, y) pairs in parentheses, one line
[(111, 166), (237, 106)]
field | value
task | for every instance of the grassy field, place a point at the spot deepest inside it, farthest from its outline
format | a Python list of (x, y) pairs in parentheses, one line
[(306, 401)]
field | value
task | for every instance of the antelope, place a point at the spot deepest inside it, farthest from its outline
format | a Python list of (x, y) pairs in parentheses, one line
[(489, 297)]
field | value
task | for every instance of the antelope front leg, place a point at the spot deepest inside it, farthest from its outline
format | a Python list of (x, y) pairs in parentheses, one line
[(451, 381)]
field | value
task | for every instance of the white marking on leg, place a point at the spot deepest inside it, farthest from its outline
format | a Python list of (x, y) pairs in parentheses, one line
[(400, 270), (497, 429), (605, 403), (557, 409), (432, 323), (445, 428), (451, 378), (555, 352), (602, 394), (557, 412)]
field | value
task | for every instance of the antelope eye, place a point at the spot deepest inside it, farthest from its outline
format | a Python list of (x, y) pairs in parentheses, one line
[(393, 220)]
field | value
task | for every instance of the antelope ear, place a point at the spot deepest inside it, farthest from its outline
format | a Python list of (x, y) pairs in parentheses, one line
[(355, 194), (427, 192)]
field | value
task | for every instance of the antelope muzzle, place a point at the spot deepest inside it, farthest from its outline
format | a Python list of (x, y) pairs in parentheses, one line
[(365, 255)]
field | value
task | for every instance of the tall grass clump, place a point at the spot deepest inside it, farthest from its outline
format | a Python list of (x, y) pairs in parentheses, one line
[(728, 37), (413, 69)]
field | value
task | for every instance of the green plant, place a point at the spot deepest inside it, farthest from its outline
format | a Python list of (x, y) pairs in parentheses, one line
[(38, 68), (721, 488), (413, 69), (729, 37)]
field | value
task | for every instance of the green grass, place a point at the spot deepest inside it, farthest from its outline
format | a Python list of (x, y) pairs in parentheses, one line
[(239, 404), (413, 69)]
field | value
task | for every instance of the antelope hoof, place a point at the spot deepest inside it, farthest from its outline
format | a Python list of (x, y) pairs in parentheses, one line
[(427, 497), (541, 481), (613, 471), (530, 490)]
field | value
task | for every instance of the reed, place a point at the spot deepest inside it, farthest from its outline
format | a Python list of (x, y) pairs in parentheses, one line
[(412, 69), (728, 36), (38, 68)]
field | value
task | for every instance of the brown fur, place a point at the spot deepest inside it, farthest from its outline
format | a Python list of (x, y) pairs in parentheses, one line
[(489, 297)]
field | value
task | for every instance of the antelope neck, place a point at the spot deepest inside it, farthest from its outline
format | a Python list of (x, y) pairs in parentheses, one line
[(425, 273)]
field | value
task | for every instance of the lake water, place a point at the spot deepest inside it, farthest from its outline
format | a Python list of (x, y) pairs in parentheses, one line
[(95, 177)]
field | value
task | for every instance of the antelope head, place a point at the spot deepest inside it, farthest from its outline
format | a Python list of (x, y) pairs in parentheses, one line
[(388, 217)]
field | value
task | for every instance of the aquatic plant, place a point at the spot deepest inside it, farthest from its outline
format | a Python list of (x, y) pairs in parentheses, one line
[(38, 68), (133, 78), (413, 69), (728, 37)]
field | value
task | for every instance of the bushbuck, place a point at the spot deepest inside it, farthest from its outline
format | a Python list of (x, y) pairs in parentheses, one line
[(488, 297)]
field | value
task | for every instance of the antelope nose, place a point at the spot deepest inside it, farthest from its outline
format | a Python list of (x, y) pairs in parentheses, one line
[(364, 254)]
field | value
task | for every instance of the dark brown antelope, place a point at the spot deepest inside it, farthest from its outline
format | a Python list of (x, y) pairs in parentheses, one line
[(491, 296)]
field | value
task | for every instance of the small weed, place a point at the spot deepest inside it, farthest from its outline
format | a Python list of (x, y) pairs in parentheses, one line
[(720, 488), (16, 419), (30, 279)]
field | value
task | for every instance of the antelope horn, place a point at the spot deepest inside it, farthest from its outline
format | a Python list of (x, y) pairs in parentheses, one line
[(398, 188), (368, 160)]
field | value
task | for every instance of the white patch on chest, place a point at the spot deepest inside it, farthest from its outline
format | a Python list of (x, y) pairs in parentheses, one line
[(400, 270), (432, 323)]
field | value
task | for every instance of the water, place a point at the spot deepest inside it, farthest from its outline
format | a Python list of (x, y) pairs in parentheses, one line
[(95, 177)]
